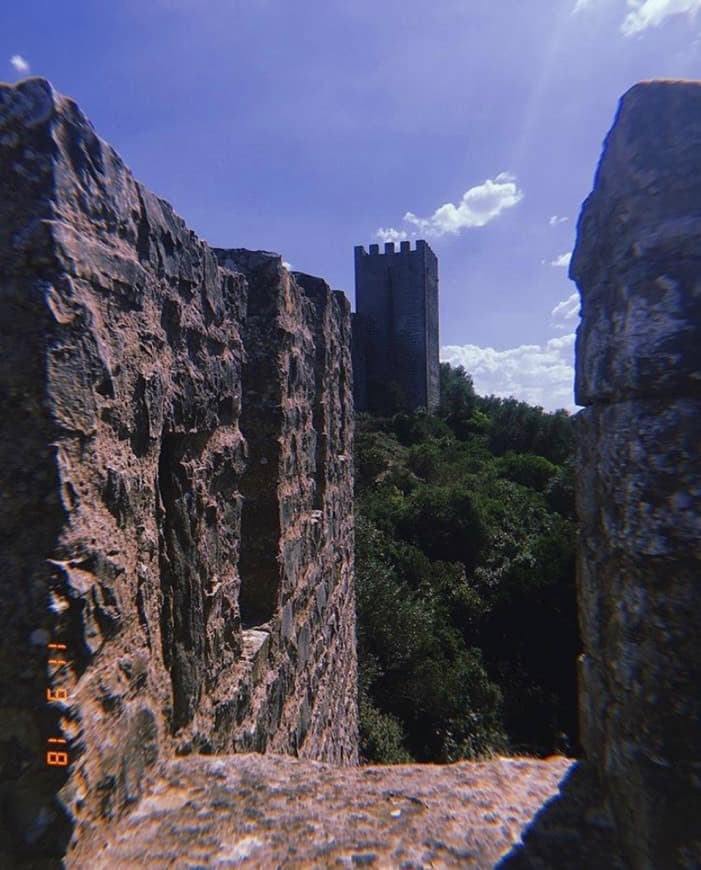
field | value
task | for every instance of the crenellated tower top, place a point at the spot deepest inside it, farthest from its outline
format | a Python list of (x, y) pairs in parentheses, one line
[(390, 249)]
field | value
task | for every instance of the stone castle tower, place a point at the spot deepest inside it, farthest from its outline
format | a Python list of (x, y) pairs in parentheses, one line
[(395, 329)]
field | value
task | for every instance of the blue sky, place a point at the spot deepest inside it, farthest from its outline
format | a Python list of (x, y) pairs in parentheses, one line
[(310, 127)]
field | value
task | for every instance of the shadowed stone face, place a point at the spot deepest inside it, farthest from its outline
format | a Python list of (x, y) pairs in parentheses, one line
[(637, 264)]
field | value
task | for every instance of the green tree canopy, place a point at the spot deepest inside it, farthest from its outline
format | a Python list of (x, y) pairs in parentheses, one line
[(467, 628)]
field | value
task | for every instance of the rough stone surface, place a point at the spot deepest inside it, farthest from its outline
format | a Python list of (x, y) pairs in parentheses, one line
[(161, 404), (266, 811), (637, 264), (637, 255)]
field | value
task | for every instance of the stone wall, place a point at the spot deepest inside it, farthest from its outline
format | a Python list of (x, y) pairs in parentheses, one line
[(175, 488), (637, 264)]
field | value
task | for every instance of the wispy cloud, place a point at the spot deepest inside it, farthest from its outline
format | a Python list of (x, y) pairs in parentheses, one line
[(538, 374), (392, 235), (566, 311), (19, 63), (561, 262), (651, 13), (646, 13), (554, 220), (478, 206)]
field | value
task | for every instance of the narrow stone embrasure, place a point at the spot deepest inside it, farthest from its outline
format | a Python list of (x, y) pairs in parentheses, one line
[(182, 615), (260, 535), (322, 438), (261, 422)]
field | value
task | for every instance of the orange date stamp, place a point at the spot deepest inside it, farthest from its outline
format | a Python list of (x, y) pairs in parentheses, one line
[(55, 755)]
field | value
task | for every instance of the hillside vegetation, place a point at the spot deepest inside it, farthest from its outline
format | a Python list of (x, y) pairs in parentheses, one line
[(465, 543)]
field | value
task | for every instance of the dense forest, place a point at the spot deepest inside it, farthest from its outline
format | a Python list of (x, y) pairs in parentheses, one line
[(465, 551)]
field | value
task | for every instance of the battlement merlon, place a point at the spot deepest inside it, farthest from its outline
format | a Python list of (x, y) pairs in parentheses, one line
[(391, 250)]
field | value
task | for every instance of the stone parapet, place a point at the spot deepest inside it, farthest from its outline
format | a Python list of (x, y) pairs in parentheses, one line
[(176, 490), (638, 268)]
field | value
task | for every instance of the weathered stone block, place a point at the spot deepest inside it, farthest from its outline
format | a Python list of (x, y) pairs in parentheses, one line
[(636, 259), (637, 266)]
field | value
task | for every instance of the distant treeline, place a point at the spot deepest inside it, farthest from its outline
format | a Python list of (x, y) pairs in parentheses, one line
[(465, 574)]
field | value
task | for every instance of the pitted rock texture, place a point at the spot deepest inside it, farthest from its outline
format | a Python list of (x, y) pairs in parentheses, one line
[(162, 404), (637, 263), (267, 811), (637, 255)]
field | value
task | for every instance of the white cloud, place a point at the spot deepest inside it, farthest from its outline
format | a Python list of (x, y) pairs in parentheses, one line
[(19, 63), (479, 205), (288, 266), (391, 235), (646, 13), (566, 311), (651, 13), (554, 220), (562, 261), (538, 374)]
